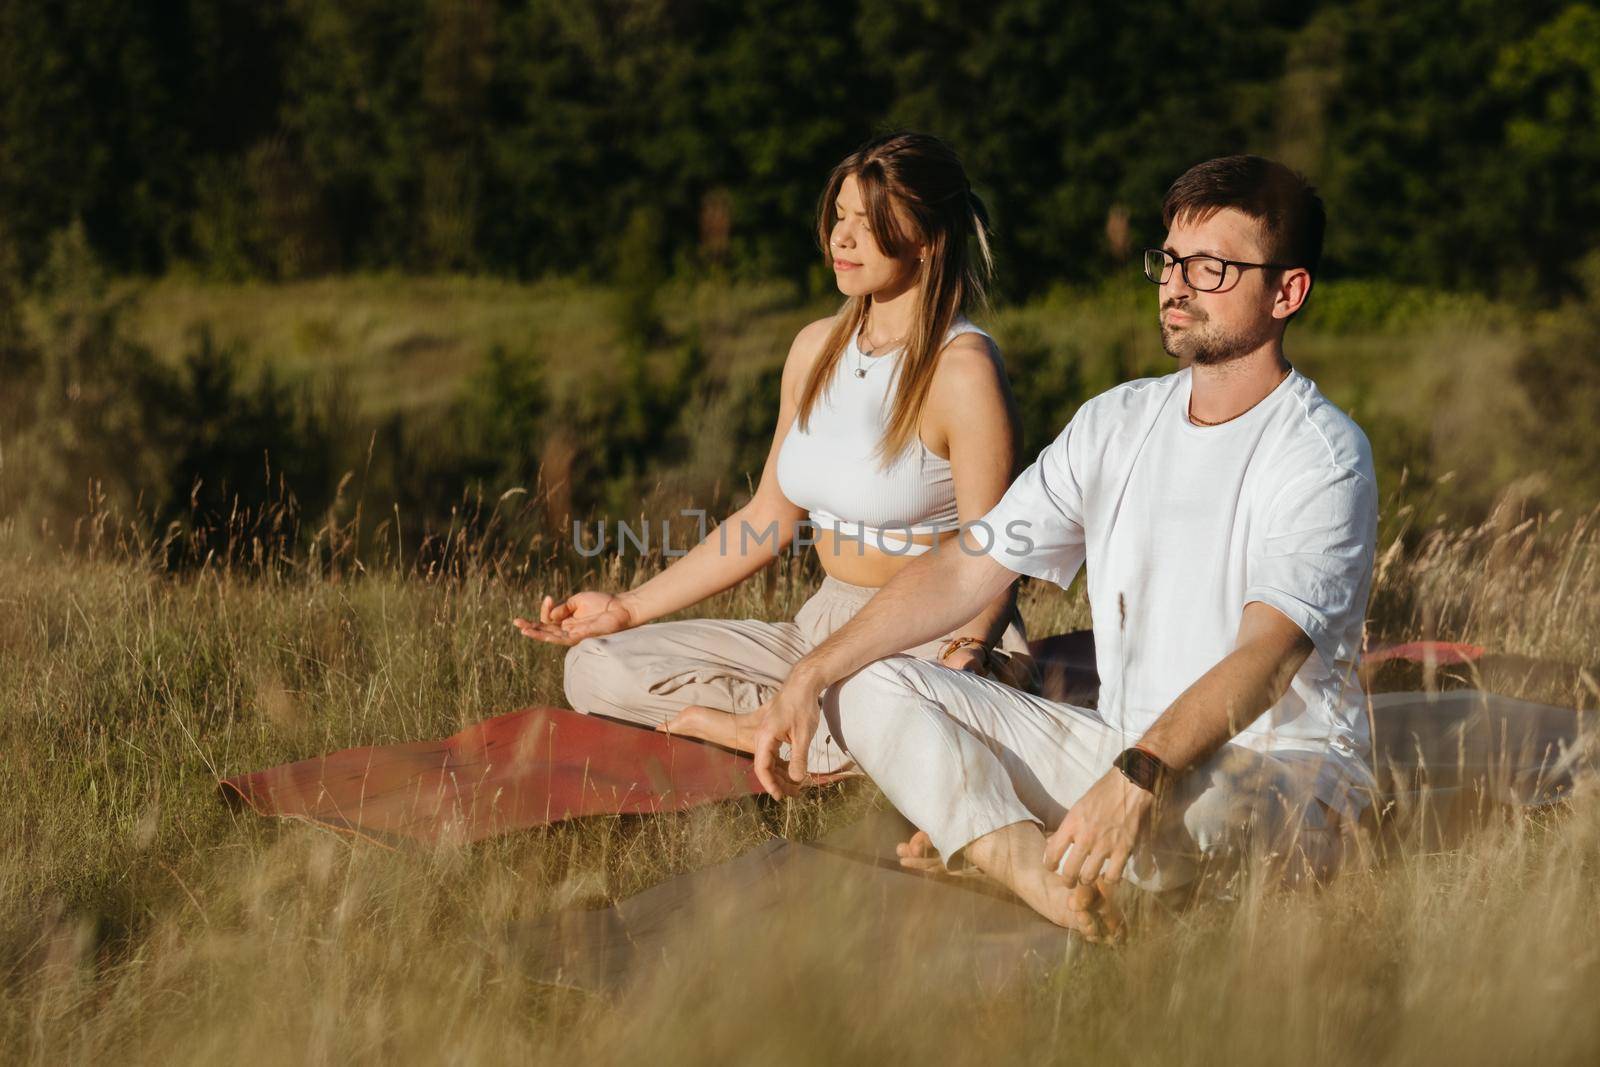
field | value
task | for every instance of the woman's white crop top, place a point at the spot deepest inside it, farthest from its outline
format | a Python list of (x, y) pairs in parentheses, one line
[(832, 467)]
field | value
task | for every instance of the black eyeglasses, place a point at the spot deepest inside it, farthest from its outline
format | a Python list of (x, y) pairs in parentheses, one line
[(1203, 274)]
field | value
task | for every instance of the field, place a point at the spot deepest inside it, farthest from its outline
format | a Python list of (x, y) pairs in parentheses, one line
[(144, 922), (655, 399)]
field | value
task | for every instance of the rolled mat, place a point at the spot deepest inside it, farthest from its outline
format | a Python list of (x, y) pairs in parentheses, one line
[(541, 765)]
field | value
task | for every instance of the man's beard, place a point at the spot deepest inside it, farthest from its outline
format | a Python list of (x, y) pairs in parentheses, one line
[(1208, 345)]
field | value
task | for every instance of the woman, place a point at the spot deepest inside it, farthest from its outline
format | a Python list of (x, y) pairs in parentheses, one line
[(895, 426)]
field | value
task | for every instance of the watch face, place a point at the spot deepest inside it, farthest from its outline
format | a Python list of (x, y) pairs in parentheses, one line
[(1143, 769)]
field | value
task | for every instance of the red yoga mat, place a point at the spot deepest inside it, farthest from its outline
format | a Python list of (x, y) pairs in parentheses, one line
[(526, 768), (541, 765)]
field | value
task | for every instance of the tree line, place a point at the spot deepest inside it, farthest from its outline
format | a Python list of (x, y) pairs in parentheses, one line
[(1454, 140)]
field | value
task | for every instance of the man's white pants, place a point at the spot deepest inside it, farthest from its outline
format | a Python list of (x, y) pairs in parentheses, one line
[(961, 756)]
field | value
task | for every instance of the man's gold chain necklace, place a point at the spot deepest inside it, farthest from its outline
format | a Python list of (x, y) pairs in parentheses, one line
[(1198, 421)]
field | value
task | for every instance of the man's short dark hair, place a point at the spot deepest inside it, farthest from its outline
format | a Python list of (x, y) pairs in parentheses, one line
[(1289, 210)]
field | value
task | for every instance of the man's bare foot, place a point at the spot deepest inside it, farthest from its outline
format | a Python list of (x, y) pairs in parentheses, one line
[(719, 727), (1014, 856)]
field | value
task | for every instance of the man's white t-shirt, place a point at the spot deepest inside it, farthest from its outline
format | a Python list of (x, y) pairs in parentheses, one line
[(1181, 526)]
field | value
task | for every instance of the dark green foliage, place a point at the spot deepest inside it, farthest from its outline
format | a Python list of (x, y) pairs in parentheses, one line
[(600, 437), (233, 440), (508, 407), (96, 420), (639, 141), (1561, 366), (1453, 140), (110, 111)]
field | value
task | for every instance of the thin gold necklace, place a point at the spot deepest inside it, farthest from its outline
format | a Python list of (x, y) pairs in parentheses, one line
[(1198, 421), (860, 368)]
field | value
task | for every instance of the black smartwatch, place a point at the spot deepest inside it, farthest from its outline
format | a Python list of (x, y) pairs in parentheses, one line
[(1143, 770)]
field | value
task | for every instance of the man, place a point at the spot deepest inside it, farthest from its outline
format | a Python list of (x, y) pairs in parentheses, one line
[(1227, 515)]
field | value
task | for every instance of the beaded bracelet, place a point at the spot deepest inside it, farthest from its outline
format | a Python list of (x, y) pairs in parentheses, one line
[(955, 644)]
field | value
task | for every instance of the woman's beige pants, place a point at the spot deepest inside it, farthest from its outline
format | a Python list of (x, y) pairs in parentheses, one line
[(647, 675)]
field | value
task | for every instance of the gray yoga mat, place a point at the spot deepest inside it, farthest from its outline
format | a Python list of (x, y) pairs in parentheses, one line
[(1452, 755), (847, 887), (1473, 747)]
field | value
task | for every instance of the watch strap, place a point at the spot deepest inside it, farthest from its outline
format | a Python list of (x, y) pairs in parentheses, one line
[(1144, 769)]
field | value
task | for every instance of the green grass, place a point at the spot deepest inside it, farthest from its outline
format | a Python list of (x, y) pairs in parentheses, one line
[(1433, 378), (406, 344)]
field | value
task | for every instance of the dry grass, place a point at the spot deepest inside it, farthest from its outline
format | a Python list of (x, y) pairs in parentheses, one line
[(145, 922)]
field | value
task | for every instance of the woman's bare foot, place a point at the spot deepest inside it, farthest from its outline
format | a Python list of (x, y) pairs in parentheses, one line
[(1013, 856), (918, 854), (719, 727)]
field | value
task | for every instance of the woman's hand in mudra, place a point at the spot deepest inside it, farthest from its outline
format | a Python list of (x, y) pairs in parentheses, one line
[(581, 615)]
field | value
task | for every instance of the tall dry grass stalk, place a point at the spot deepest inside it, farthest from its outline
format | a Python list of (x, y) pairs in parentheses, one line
[(142, 921)]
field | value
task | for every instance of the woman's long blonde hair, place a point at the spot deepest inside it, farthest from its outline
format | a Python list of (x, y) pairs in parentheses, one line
[(923, 177)]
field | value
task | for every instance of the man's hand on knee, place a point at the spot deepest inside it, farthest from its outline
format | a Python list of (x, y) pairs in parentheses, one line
[(1098, 835), (790, 717)]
